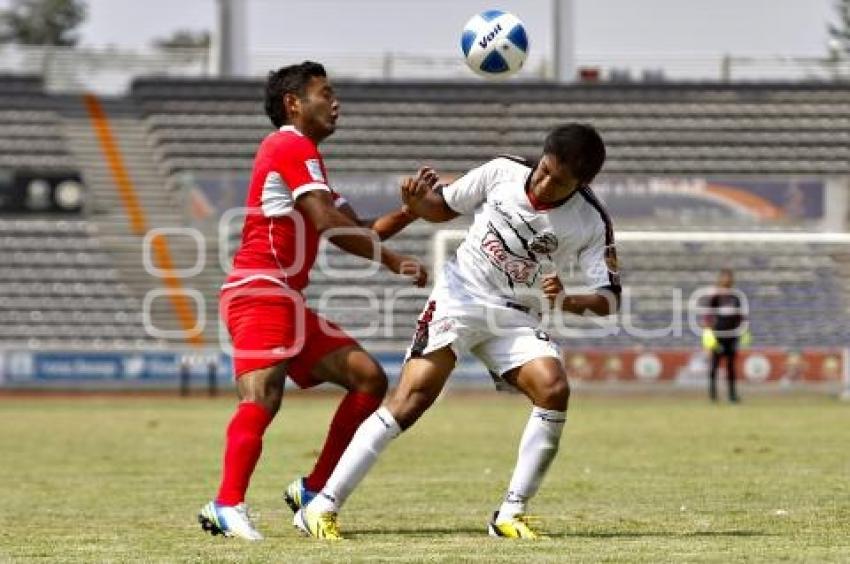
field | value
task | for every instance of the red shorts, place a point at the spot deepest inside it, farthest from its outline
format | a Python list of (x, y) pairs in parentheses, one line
[(269, 324)]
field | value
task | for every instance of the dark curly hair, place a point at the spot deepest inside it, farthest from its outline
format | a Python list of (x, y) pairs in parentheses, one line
[(288, 80), (579, 146)]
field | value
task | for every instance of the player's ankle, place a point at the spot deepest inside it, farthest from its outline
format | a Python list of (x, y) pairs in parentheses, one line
[(323, 503), (508, 511)]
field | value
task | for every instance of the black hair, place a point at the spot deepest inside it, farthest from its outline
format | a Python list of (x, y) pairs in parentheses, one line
[(288, 80), (579, 146)]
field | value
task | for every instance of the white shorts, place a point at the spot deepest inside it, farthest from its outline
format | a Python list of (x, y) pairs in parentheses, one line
[(501, 336)]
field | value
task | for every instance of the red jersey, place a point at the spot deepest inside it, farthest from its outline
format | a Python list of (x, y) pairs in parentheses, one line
[(278, 243)]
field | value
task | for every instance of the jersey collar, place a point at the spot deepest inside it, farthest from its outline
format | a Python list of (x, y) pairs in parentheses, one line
[(291, 128), (544, 206)]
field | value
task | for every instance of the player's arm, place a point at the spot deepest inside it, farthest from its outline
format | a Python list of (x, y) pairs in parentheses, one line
[(423, 198), (391, 223), (317, 206), (709, 318), (598, 262), (385, 226), (604, 301)]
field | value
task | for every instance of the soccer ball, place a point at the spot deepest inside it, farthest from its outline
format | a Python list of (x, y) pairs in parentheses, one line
[(494, 44)]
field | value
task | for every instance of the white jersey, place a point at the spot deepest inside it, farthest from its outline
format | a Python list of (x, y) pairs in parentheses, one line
[(512, 242)]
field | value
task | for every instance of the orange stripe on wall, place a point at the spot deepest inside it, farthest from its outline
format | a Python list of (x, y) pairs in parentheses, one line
[(100, 123), (761, 207), (138, 222)]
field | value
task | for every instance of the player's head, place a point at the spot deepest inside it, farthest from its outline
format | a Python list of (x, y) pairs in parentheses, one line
[(301, 95), (725, 278), (578, 147), (573, 153)]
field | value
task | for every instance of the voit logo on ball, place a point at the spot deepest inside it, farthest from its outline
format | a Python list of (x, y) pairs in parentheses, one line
[(494, 44)]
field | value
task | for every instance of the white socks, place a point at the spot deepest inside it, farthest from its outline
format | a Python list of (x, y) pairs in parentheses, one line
[(368, 442), (537, 450)]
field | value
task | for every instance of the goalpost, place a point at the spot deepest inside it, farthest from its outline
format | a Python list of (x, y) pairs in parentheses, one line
[(834, 257)]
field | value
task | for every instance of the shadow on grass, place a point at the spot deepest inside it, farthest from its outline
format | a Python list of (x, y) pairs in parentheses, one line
[(418, 532), (454, 531), (668, 534)]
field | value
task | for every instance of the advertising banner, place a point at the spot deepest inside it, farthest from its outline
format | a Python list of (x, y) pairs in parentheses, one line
[(693, 200), (681, 367)]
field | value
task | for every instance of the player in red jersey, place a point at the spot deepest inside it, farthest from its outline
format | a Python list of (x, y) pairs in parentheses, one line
[(289, 206)]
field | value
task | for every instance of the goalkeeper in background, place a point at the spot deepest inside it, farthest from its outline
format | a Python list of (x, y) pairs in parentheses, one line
[(724, 332)]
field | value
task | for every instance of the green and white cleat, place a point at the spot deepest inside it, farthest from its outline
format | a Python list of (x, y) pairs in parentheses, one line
[(228, 520)]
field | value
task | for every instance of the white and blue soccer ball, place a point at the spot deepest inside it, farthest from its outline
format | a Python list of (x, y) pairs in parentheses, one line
[(494, 44)]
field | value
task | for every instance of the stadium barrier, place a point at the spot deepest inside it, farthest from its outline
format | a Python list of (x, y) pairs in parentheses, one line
[(211, 370)]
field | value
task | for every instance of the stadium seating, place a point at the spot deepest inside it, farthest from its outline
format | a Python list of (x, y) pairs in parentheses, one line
[(30, 130), (59, 289), (672, 129), (208, 127)]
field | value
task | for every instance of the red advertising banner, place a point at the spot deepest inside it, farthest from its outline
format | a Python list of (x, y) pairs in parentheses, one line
[(686, 366)]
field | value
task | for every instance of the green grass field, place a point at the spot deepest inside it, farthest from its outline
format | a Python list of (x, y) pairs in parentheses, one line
[(642, 479)]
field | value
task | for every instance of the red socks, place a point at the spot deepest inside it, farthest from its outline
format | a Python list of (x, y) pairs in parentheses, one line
[(352, 411), (244, 445)]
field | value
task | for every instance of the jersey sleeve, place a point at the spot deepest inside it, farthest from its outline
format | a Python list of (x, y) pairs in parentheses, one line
[(297, 169), (301, 167), (598, 260), (466, 193)]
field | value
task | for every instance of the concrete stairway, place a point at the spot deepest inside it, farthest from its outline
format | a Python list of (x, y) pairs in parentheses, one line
[(161, 207)]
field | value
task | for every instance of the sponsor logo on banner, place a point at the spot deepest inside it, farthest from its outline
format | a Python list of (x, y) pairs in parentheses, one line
[(647, 367), (757, 368)]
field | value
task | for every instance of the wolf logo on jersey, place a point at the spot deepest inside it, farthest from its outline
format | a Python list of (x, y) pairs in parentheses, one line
[(544, 243)]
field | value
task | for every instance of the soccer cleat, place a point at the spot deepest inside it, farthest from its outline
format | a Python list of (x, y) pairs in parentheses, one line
[(518, 527), (297, 496), (317, 525), (228, 520)]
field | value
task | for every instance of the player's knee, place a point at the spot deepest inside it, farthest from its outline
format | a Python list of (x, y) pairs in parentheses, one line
[(371, 380), (555, 394), (263, 387), (269, 398)]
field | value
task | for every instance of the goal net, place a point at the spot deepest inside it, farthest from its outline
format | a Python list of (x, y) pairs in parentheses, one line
[(794, 286)]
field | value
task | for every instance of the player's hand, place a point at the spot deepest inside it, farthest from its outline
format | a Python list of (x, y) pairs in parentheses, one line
[(414, 189), (552, 289), (409, 267)]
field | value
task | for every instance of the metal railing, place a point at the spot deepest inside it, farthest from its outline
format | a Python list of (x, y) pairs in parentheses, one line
[(111, 70)]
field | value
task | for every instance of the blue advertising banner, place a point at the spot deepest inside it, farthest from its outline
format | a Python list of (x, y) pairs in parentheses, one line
[(757, 200), (145, 369)]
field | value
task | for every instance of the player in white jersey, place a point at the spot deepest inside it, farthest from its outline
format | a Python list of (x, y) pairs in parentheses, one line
[(530, 222)]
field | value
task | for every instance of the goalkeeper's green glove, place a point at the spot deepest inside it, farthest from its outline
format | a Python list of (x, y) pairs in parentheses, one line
[(746, 339), (709, 341)]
